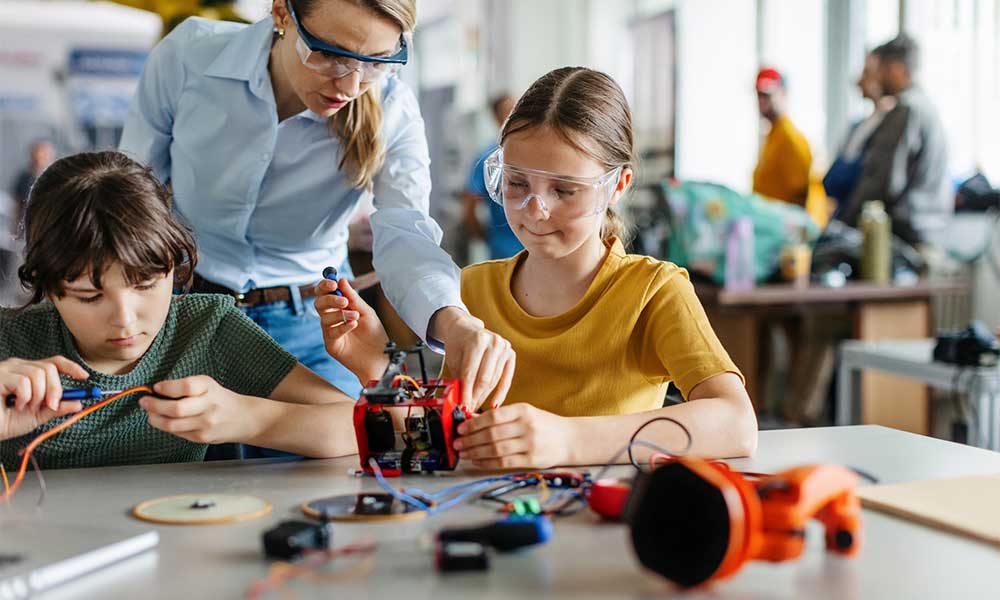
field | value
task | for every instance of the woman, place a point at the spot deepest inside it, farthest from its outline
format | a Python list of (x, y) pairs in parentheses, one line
[(271, 134)]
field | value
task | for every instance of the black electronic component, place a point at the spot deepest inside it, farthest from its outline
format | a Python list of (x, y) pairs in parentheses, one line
[(416, 427), (975, 346), (290, 539), (436, 429), (457, 418), (508, 534), (381, 434), (454, 557)]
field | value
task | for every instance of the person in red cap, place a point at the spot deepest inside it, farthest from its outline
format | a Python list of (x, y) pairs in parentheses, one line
[(785, 159)]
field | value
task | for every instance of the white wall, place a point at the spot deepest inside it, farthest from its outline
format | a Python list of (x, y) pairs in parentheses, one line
[(716, 134), (716, 103), (793, 41)]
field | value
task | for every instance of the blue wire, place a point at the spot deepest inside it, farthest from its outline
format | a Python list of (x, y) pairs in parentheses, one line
[(464, 495), (455, 488), (398, 495), (467, 489)]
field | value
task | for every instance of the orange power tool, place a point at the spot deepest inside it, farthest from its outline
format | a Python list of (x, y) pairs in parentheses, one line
[(695, 521)]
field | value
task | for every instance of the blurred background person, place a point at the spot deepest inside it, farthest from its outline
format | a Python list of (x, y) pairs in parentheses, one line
[(906, 160), (41, 154), (496, 232), (785, 159), (842, 177)]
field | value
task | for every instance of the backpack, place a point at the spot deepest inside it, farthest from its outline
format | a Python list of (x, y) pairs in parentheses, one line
[(701, 216)]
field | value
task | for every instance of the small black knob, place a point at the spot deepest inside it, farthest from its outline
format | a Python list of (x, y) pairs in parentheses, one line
[(843, 539)]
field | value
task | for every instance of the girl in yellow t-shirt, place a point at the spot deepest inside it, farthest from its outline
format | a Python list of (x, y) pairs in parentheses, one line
[(598, 333)]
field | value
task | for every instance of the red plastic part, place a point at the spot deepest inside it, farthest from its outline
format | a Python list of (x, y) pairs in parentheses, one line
[(448, 398), (608, 496)]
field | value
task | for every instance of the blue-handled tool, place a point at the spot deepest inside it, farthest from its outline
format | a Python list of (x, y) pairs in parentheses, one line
[(508, 534), (331, 274), (91, 392)]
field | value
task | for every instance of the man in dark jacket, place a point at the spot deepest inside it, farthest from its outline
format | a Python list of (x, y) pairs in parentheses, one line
[(906, 160)]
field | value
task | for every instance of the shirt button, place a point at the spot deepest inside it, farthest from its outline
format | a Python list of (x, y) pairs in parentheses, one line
[(264, 157)]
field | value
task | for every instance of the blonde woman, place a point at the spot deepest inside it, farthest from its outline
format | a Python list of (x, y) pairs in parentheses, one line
[(270, 135)]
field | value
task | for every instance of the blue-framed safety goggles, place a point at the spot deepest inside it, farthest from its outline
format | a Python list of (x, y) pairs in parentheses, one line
[(335, 62)]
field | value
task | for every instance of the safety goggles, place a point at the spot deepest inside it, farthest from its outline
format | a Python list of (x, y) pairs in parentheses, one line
[(559, 196), (333, 62)]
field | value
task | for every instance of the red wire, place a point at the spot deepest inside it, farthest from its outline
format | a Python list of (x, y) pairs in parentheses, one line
[(313, 560), (61, 427)]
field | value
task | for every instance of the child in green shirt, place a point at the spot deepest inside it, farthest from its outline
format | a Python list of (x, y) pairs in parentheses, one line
[(104, 253)]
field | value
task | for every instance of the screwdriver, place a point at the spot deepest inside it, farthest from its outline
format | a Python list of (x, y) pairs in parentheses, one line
[(331, 274), (505, 535), (91, 392)]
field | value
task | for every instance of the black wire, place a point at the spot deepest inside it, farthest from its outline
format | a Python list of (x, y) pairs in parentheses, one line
[(495, 494), (967, 409), (565, 510), (631, 442), (864, 474)]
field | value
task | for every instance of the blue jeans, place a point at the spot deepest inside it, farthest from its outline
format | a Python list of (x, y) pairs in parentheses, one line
[(295, 325)]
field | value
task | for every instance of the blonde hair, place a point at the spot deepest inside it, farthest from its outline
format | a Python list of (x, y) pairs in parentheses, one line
[(359, 123), (588, 110)]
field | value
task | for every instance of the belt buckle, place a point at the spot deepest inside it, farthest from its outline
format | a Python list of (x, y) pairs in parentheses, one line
[(241, 300)]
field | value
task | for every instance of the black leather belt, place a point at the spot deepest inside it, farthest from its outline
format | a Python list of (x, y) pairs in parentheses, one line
[(252, 297)]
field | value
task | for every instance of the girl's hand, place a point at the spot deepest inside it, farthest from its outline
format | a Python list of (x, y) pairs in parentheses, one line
[(516, 437), (352, 332), (484, 361), (203, 412), (37, 390)]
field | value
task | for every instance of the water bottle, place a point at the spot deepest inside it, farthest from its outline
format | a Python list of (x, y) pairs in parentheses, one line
[(876, 251), (740, 255)]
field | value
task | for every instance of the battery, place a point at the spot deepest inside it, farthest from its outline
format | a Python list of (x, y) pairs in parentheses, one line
[(455, 557)]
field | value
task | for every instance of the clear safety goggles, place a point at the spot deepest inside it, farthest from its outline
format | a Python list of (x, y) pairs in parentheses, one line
[(559, 196), (333, 62)]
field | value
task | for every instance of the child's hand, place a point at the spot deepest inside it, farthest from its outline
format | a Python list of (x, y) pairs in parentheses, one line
[(352, 332), (37, 389), (203, 412), (515, 437)]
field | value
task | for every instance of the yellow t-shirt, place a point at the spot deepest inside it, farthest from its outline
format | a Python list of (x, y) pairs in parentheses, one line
[(638, 327), (785, 160)]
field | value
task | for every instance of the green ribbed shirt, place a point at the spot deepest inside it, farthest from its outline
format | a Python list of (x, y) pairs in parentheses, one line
[(204, 334)]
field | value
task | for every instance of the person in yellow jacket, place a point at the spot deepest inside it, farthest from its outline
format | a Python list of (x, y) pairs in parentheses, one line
[(783, 169)]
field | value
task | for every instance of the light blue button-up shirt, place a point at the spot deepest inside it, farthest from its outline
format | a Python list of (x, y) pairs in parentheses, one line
[(266, 199)]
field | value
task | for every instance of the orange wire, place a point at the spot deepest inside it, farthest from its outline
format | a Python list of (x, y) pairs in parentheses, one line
[(6, 484), (409, 380), (60, 427), (281, 572)]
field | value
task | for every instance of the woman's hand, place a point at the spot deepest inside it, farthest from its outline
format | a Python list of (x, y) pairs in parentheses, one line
[(481, 359), (37, 390), (516, 437), (202, 412), (352, 332)]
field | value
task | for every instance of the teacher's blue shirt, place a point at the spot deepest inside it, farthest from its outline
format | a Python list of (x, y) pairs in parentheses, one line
[(266, 199)]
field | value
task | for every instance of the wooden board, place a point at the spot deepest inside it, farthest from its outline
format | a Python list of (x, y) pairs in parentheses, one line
[(888, 400), (964, 505)]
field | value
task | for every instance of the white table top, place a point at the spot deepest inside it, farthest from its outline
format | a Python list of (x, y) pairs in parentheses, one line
[(586, 558)]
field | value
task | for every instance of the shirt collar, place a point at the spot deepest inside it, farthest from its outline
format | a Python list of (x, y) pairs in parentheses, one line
[(245, 57), (308, 114)]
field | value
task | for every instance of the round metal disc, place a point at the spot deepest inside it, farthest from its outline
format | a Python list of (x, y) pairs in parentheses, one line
[(361, 507), (201, 509)]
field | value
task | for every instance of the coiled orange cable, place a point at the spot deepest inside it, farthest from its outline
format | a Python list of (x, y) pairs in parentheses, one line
[(61, 427)]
